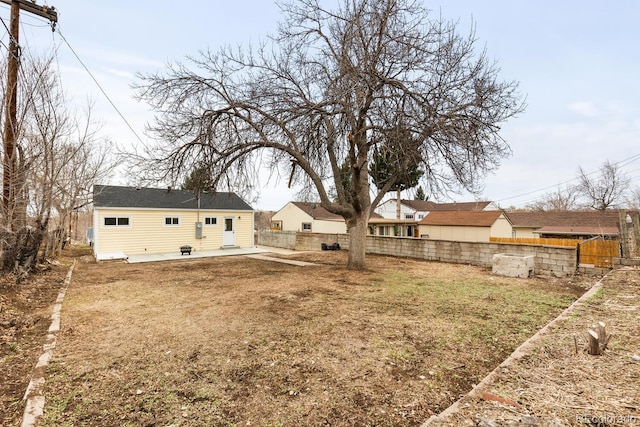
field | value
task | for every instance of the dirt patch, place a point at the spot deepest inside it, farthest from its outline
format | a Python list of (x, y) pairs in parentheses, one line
[(240, 341)]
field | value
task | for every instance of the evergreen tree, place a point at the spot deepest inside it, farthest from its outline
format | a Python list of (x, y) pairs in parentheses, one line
[(396, 159), (198, 180)]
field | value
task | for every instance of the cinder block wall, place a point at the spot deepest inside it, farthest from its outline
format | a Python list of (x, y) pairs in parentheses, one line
[(313, 241), (277, 239), (549, 260)]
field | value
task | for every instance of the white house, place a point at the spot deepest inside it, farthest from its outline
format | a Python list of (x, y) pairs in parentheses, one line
[(411, 210)]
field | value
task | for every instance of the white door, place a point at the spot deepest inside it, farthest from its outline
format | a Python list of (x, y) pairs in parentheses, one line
[(229, 234)]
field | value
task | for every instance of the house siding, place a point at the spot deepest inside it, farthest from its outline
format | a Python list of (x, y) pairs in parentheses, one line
[(388, 210), (292, 217), (524, 232), (148, 234), (501, 228), (326, 226), (455, 233), (465, 226)]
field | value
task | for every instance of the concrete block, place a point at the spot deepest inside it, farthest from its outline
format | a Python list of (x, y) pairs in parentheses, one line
[(511, 265)]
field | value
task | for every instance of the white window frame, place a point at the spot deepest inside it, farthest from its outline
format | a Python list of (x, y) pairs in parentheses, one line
[(213, 221), (304, 224), (172, 223), (117, 218)]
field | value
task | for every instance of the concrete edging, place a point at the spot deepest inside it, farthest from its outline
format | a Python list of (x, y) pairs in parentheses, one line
[(34, 395)]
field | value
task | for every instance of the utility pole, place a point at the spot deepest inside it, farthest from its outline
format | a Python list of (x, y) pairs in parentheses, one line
[(10, 159)]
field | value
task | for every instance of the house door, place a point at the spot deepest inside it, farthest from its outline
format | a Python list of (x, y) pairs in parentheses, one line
[(229, 234)]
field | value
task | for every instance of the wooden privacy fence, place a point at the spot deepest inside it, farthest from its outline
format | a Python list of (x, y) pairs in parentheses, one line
[(597, 251)]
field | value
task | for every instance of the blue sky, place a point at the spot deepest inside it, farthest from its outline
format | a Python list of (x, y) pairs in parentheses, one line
[(576, 62)]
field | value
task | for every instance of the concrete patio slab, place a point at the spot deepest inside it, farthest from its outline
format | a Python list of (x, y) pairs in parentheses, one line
[(133, 259), (282, 260)]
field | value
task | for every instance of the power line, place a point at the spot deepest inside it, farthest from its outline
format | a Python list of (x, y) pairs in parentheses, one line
[(621, 163), (100, 87)]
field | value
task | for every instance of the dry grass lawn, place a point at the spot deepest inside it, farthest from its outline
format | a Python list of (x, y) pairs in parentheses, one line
[(557, 383), (237, 341)]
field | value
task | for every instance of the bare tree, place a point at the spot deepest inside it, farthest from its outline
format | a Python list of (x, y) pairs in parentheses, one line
[(562, 199), (328, 89), (605, 189), (633, 198), (59, 159)]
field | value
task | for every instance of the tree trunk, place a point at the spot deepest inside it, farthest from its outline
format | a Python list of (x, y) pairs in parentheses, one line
[(398, 199), (357, 241)]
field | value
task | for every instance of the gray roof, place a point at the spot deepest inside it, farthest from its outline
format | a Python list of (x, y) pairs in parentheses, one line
[(110, 196)]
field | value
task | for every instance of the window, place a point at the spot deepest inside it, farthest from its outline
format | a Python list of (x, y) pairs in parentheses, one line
[(276, 225), (306, 226), (420, 216), (116, 221), (171, 220), (210, 220), (408, 216)]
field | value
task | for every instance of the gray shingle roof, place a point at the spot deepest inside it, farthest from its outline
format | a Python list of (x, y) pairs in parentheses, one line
[(110, 196)]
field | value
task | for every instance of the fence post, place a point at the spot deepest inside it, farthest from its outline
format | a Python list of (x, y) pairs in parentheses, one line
[(624, 233), (635, 219)]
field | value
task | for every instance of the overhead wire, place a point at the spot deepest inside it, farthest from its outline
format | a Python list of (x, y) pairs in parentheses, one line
[(124, 119), (80, 61), (621, 163)]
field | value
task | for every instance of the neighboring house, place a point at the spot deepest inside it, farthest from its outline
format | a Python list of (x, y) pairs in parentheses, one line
[(379, 226), (465, 226), (411, 210), (564, 224), (309, 217), (389, 209), (133, 221)]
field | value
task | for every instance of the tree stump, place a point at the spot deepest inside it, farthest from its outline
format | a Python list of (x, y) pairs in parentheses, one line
[(598, 339)]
